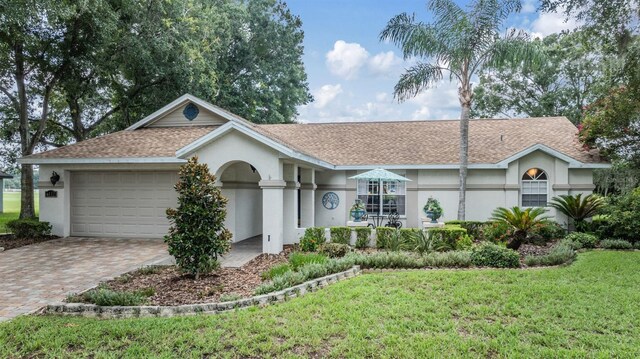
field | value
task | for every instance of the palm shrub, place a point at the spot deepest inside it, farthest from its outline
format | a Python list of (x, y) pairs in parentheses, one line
[(426, 242), (197, 235), (398, 240), (522, 222), (578, 208)]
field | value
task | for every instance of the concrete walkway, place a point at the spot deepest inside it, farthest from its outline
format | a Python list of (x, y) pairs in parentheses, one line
[(242, 252), (43, 273)]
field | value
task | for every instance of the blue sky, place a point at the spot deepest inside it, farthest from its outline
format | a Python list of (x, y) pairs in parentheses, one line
[(352, 74)]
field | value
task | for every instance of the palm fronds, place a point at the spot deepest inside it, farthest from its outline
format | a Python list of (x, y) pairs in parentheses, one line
[(576, 207)]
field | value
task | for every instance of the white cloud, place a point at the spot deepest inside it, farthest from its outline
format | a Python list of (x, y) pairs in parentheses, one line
[(552, 22), (346, 59), (382, 96), (325, 94), (439, 102), (383, 62)]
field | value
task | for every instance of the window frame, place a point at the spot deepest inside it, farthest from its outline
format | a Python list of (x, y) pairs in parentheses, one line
[(535, 179), (400, 190)]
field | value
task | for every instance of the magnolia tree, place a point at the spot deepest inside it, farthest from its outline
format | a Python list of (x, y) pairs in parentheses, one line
[(197, 235)]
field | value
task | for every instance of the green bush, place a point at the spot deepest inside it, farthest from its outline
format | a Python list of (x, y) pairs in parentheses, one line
[(464, 243), (399, 240), (546, 231), (474, 228), (340, 235), (636, 245), (229, 297), (298, 259), (616, 244), (197, 235), (497, 232), (275, 271), (424, 243), (451, 259), (313, 237), (561, 253), (29, 228), (383, 234), (335, 250), (491, 255), (449, 235), (621, 217), (387, 260), (571, 244), (363, 236), (586, 240), (108, 297)]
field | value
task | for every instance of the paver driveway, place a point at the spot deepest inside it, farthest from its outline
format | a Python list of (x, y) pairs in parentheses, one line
[(43, 273)]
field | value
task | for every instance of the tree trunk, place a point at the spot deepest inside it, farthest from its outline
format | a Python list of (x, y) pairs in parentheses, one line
[(27, 209), (464, 155), (518, 238)]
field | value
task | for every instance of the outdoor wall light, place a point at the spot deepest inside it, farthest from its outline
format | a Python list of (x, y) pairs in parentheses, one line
[(55, 178)]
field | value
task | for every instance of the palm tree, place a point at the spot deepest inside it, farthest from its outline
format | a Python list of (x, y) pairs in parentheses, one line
[(522, 221), (460, 42), (578, 208)]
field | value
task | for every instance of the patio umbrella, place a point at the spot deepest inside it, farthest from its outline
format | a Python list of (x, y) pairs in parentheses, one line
[(381, 175)]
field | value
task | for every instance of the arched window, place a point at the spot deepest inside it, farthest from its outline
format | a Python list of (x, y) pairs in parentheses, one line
[(534, 188)]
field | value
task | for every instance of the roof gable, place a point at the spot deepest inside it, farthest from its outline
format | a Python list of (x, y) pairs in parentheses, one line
[(187, 110)]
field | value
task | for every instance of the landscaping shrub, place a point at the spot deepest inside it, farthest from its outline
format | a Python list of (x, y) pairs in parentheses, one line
[(363, 235), (383, 260), (298, 259), (275, 271), (340, 235), (616, 244), (474, 228), (408, 233), (313, 237), (197, 235), (464, 243), (571, 244), (622, 215), (423, 242), (449, 235), (383, 234), (561, 253), (497, 232), (399, 240), (586, 240), (108, 297), (522, 221), (29, 228), (636, 245), (229, 297), (491, 255), (335, 250), (451, 259), (544, 232), (578, 208)]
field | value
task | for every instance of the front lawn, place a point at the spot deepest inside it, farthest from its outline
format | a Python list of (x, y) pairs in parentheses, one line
[(587, 309), (11, 207)]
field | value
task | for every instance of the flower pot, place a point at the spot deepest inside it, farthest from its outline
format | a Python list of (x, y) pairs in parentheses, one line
[(432, 215), (357, 214)]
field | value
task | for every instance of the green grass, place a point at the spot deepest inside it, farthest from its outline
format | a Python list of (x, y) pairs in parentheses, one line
[(588, 309), (11, 208)]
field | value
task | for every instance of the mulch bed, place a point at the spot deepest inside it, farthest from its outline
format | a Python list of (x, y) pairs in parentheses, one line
[(535, 250), (9, 241), (174, 288)]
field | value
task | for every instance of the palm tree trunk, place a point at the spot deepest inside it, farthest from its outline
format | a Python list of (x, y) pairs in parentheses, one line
[(464, 154)]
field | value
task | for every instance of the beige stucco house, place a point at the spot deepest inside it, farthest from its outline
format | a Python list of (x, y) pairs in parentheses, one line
[(280, 179)]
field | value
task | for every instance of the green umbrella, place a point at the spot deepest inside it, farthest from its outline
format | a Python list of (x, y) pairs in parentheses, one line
[(381, 175)]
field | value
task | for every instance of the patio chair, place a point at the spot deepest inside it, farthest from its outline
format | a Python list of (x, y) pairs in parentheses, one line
[(394, 220)]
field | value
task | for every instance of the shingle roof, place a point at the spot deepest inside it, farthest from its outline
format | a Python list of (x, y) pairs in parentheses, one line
[(144, 142), (358, 143), (428, 142)]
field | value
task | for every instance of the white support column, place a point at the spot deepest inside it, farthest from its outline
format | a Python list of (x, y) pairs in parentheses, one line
[(290, 197), (307, 197), (272, 215)]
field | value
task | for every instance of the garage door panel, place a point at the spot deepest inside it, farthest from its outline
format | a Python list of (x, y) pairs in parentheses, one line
[(121, 204)]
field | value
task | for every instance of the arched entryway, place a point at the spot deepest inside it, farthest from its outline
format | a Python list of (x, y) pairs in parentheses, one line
[(240, 185)]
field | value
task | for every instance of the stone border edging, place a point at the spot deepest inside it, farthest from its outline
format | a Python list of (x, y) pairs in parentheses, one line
[(96, 311)]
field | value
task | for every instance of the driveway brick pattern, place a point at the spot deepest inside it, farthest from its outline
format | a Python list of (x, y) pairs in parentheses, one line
[(45, 273)]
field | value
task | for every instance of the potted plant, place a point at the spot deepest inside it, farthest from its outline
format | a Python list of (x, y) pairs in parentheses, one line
[(357, 210), (433, 209)]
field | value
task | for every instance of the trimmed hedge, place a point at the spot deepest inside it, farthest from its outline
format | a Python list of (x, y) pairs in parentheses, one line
[(29, 228), (340, 234), (450, 236), (491, 255), (313, 237), (619, 244), (474, 228), (383, 236), (363, 236)]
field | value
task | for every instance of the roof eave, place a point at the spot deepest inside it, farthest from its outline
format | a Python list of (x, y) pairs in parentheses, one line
[(99, 160)]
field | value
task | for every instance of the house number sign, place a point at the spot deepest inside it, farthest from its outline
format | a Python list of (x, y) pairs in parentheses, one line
[(330, 200)]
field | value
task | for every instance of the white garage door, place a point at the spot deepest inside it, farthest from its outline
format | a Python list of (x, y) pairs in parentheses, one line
[(121, 204)]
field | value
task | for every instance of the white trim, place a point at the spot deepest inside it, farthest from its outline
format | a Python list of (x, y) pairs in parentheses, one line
[(573, 163), (222, 130), (46, 161), (180, 101)]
